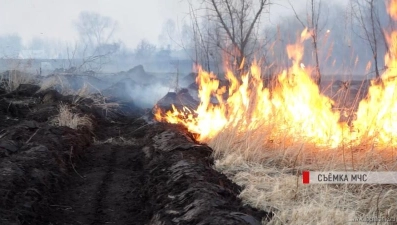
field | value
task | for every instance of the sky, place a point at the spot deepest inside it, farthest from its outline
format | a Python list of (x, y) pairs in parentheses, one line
[(137, 19)]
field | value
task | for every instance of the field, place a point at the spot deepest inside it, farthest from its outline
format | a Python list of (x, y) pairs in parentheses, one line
[(264, 141), (72, 155), (83, 149)]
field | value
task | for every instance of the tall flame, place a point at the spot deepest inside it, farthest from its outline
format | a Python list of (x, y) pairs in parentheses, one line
[(377, 114), (294, 108)]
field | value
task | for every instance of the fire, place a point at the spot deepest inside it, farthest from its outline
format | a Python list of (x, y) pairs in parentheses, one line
[(377, 114), (392, 10), (294, 108), (209, 119)]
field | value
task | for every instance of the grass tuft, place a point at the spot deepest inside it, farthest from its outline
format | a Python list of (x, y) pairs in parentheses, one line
[(15, 78), (69, 119)]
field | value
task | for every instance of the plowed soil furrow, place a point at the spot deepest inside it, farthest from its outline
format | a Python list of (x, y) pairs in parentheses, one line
[(101, 210), (143, 173), (104, 190)]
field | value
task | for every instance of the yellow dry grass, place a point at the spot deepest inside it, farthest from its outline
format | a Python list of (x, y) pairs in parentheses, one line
[(79, 95), (69, 119), (269, 171), (16, 78)]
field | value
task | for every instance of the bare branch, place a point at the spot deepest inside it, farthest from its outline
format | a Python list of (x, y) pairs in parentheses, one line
[(225, 27), (296, 15)]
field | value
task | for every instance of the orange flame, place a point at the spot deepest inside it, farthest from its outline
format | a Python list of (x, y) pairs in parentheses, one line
[(296, 105), (392, 10), (295, 108), (377, 114)]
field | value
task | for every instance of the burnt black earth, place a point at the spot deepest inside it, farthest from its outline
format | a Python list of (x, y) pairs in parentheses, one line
[(125, 170)]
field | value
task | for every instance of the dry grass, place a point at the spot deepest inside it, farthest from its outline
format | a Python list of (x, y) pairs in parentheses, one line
[(17, 75), (53, 82), (16, 78), (269, 165), (269, 171), (62, 85), (69, 119), (107, 107), (83, 93), (100, 101)]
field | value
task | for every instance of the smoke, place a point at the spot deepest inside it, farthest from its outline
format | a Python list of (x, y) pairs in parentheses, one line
[(146, 96)]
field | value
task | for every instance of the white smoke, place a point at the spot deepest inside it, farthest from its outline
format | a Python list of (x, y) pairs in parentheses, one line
[(146, 96)]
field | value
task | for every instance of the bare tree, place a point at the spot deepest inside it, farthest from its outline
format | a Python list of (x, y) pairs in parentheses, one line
[(315, 8), (366, 14), (79, 58), (95, 29), (237, 21), (203, 33), (96, 33)]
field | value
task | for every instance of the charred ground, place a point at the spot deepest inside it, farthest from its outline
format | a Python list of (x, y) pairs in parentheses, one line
[(121, 171)]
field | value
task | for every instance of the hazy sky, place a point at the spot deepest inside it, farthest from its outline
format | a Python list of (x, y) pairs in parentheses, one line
[(137, 19)]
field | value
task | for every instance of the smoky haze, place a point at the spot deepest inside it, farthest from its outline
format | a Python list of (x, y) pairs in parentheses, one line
[(106, 38)]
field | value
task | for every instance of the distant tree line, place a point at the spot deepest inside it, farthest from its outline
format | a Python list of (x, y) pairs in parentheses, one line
[(348, 39)]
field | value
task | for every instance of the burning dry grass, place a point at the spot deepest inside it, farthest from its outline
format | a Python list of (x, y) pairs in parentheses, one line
[(263, 138), (271, 179), (69, 119)]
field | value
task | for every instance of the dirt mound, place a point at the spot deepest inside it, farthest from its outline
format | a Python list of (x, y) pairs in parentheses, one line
[(121, 90), (122, 171), (35, 155), (23, 90), (18, 103), (137, 70), (151, 174), (137, 74), (180, 99), (184, 188), (33, 160), (108, 189), (74, 82)]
